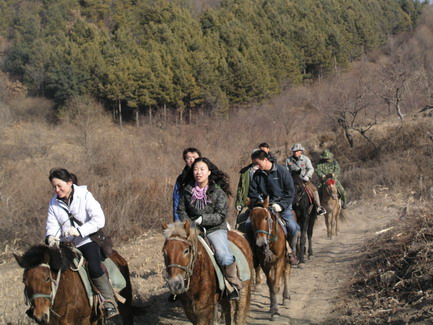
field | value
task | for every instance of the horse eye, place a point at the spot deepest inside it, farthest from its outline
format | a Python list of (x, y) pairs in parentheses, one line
[(186, 251), (47, 279)]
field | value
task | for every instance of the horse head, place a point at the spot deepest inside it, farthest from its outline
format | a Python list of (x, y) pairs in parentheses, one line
[(180, 252), (331, 187), (42, 268)]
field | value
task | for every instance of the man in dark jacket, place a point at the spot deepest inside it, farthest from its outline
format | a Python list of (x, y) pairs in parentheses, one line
[(275, 182), (265, 147), (189, 155)]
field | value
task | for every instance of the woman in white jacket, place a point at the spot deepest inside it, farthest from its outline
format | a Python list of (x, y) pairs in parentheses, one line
[(73, 215)]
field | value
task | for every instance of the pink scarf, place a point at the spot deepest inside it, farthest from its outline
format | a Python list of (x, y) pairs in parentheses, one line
[(198, 197)]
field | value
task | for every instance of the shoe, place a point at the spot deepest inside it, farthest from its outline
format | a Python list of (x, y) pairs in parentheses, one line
[(293, 260), (321, 211), (172, 298), (111, 312)]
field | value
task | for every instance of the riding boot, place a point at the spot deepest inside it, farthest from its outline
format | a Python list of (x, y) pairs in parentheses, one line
[(103, 285), (319, 209), (231, 274)]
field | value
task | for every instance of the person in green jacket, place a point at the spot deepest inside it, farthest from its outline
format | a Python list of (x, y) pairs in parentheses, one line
[(329, 166), (246, 174)]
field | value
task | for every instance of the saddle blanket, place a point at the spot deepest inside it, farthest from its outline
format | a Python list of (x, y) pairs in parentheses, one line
[(117, 279), (241, 262)]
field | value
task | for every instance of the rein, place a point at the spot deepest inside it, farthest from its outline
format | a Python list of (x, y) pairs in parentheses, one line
[(269, 232), (188, 269), (52, 295)]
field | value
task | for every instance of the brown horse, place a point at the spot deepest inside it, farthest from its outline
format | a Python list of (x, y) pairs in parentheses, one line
[(331, 203), (271, 251), (56, 292), (191, 276)]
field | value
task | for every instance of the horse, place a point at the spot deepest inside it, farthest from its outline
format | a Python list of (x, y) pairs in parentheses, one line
[(191, 276), (271, 252), (332, 204), (55, 291), (306, 217)]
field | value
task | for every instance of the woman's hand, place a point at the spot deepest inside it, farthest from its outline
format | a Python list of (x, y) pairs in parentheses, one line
[(72, 231), (53, 241)]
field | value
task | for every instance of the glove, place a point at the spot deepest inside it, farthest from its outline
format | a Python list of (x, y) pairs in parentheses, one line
[(305, 178), (239, 208), (53, 241), (276, 207), (199, 220), (72, 231)]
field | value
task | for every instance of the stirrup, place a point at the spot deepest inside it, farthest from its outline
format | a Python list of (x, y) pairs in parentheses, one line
[(234, 295), (111, 312), (320, 211)]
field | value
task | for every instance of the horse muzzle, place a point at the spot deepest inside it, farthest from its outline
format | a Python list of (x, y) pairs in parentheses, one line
[(176, 285), (39, 317)]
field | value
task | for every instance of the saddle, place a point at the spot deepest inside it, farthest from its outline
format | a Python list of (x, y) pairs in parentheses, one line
[(241, 261), (117, 279)]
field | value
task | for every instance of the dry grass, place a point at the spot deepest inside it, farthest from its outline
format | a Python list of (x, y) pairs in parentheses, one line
[(393, 281)]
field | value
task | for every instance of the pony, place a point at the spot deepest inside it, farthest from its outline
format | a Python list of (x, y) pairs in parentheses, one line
[(55, 291), (271, 253), (306, 217), (191, 276), (332, 204)]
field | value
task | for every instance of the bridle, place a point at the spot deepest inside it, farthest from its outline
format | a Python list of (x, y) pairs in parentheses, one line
[(188, 269), (271, 222), (52, 295)]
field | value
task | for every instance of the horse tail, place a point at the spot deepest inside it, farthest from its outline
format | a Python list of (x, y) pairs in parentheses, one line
[(342, 216)]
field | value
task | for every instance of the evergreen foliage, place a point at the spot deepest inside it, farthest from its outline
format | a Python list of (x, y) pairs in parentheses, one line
[(150, 53)]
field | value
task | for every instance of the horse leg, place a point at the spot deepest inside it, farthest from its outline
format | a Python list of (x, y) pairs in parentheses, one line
[(286, 294), (310, 236), (303, 241), (328, 218)]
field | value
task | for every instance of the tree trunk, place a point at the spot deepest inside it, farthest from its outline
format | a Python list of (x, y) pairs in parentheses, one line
[(120, 114), (137, 123), (150, 115)]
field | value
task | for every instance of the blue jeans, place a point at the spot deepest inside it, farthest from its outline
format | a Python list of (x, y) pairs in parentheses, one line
[(219, 241), (292, 225)]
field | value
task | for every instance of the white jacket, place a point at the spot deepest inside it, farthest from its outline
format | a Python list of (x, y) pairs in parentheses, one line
[(83, 207)]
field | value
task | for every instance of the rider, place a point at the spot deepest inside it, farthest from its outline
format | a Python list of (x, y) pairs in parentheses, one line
[(245, 178), (265, 147), (76, 202), (204, 200), (301, 163), (328, 166), (274, 181), (189, 155)]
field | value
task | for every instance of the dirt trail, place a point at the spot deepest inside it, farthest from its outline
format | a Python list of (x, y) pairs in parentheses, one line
[(314, 288)]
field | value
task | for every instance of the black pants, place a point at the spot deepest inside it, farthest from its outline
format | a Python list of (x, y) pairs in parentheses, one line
[(92, 253)]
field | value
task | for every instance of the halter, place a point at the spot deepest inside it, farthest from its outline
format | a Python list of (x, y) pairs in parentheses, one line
[(270, 222), (187, 269), (52, 295)]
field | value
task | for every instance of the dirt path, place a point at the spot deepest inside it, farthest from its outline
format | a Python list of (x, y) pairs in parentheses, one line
[(314, 288)]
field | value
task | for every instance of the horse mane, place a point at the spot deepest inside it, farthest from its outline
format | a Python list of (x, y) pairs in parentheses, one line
[(58, 258), (177, 229)]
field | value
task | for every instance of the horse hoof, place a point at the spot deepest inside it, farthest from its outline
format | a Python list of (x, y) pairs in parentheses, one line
[(286, 303), (275, 317)]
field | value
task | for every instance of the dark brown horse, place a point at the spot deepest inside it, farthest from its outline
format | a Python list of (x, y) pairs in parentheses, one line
[(56, 292), (191, 276), (271, 251), (305, 216), (332, 204)]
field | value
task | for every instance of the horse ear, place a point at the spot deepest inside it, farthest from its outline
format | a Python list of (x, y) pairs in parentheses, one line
[(187, 227), (164, 224), (19, 260), (266, 202)]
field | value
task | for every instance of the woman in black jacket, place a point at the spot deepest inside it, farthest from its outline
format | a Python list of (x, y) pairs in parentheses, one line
[(204, 200)]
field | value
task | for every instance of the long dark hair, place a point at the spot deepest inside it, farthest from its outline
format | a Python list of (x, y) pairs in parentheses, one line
[(216, 177), (63, 174)]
